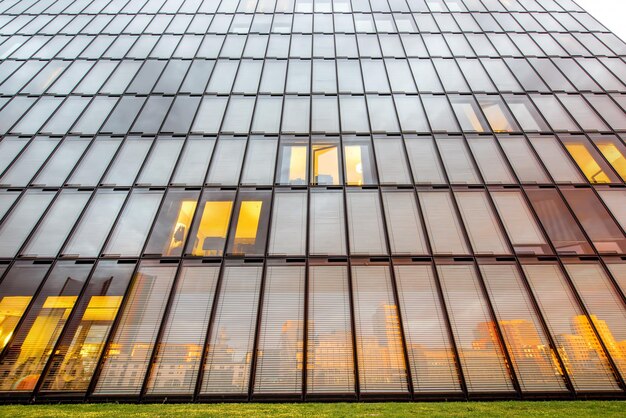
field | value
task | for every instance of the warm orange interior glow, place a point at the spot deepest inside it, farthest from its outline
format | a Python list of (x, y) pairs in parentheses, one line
[(102, 308), (11, 310), (297, 164), (213, 224), (615, 157), (354, 165), (181, 227), (325, 164), (587, 164), (497, 118), (248, 221)]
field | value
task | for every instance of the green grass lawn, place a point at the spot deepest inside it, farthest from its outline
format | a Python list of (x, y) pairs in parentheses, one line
[(452, 409)]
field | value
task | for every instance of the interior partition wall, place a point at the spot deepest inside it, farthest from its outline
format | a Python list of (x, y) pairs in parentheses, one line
[(292, 200)]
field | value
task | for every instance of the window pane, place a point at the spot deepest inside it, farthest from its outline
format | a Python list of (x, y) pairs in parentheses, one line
[(468, 114), (522, 159), (365, 223), (62, 162), (194, 161), (296, 114), (554, 113), (604, 305), (358, 162), (410, 113), (588, 159), (75, 360), (172, 225), (325, 114), (392, 166), (481, 223), (231, 343), (22, 219), (179, 351), (353, 114), (238, 114), (279, 354), (267, 114), (325, 162), (433, 367), (29, 162), (289, 217), (226, 162), (615, 200), (424, 160), (614, 151), (96, 224), (327, 224), (158, 168), (442, 224), (128, 161), (560, 225), (16, 292), (520, 225), (457, 160), (211, 224), (404, 227), (497, 114), (54, 229), (555, 159), (260, 161), (489, 159), (382, 114), (34, 340), (250, 219), (209, 116), (533, 357), (526, 114), (128, 237), (439, 114), (596, 221), (292, 162), (481, 353), (126, 359), (330, 365), (378, 343), (587, 365)]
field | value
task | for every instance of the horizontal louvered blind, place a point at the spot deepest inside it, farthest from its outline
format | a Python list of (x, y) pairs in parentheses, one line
[(616, 202), (457, 161), (480, 351), (443, 226), (392, 166), (584, 360), (365, 224), (406, 235), (424, 161), (178, 354), (523, 159), (556, 160), (327, 224), (378, 338), (227, 368), (279, 355), (226, 162), (619, 274), (288, 236), (127, 356), (433, 367), (490, 160), (260, 161), (535, 363), (481, 223), (330, 360), (605, 307)]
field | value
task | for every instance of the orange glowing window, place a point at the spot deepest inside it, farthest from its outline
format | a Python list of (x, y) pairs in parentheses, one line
[(325, 164), (615, 157), (11, 310), (587, 163), (248, 221), (354, 165), (180, 228), (213, 226)]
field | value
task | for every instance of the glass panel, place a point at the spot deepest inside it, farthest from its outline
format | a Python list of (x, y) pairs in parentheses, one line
[(29, 162), (481, 353), (411, 113), (481, 223), (365, 223), (424, 160), (358, 162), (158, 168), (292, 162), (533, 358), (442, 223), (330, 361), (327, 223), (126, 358), (439, 113), (554, 113), (96, 160), (585, 361), (279, 354), (382, 114), (522, 159), (62, 162), (353, 114), (497, 114), (128, 237), (404, 227), (392, 165), (296, 114), (433, 366), (227, 161), (22, 219), (267, 114), (171, 228), (325, 162), (95, 224), (26, 355), (179, 352), (589, 160), (289, 219), (468, 114), (521, 227), (128, 161), (74, 362), (56, 226), (605, 307), (210, 227), (457, 160), (526, 114), (325, 114), (231, 343), (194, 161), (490, 161), (378, 336), (260, 161), (614, 151), (209, 116), (556, 160), (615, 200), (596, 221), (16, 292), (249, 229)]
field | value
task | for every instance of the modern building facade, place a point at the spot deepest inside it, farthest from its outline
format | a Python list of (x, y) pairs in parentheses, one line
[(210, 200)]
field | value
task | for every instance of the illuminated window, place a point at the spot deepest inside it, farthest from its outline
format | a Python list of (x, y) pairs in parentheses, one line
[(358, 162), (468, 114), (498, 116), (589, 161), (325, 158), (293, 163), (615, 153), (211, 225), (250, 227)]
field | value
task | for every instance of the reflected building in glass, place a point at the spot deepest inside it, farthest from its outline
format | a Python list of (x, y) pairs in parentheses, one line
[(208, 200)]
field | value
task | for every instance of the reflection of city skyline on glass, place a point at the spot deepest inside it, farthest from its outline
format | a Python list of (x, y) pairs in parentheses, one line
[(300, 200)]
